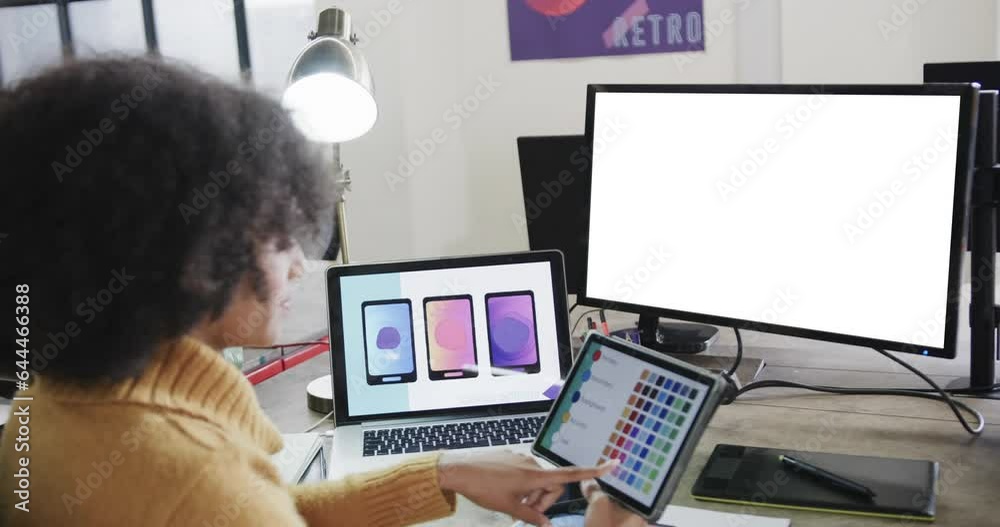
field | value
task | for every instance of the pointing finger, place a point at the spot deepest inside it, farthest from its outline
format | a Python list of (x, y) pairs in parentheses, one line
[(574, 474)]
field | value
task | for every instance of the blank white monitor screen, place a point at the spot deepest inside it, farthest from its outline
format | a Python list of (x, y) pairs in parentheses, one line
[(826, 212)]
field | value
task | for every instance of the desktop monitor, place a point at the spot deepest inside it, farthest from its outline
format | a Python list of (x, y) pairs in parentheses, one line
[(826, 212), (554, 172)]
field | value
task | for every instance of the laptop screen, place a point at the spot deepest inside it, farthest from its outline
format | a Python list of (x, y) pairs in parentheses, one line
[(436, 339)]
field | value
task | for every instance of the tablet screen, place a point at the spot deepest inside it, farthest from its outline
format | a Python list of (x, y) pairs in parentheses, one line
[(617, 406)]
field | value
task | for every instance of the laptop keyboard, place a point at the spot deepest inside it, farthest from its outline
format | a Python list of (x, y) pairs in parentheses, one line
[(408, 440)]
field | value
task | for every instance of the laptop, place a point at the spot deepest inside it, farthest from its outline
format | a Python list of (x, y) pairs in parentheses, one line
[(453, 353)]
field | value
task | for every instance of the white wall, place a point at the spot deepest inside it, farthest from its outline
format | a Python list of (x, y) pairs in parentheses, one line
[(882, 41), (758, 41), (432, 55)]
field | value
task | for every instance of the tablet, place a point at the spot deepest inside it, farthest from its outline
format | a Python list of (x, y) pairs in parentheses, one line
[(627, 403)]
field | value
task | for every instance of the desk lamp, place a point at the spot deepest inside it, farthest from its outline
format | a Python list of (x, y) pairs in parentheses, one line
[(331, 99)]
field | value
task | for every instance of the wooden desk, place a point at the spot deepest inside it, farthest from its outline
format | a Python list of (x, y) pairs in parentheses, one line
[(876, 426)]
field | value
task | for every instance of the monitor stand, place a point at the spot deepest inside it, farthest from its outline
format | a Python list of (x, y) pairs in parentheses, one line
[(983, 312), (966, 383), (684, 341), (675, 337)]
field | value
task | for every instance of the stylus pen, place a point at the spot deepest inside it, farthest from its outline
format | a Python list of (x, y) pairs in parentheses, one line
[(604, 323), (828, 477)]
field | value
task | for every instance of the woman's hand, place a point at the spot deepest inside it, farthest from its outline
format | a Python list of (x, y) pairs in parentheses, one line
[(510, 483), (602, 511)]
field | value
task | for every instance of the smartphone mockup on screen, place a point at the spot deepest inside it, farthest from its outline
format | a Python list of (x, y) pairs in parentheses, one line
[(510, 324), (390, 357), (451, 337)]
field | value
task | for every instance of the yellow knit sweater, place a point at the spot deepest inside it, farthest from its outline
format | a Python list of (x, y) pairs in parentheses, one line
[(185, 444)]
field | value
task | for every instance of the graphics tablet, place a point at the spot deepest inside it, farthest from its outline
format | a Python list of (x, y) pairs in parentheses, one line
[(903, 488), (646, 410)]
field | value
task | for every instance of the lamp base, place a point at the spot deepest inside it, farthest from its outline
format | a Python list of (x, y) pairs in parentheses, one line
[(319, 395)]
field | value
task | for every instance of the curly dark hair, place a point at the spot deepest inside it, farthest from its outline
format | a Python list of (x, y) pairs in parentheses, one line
[(136, 194)]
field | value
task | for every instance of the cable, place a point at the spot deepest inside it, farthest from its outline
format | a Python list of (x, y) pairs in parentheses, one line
[(941, 395), (580, 318), (952, 391), (739, 354), (317, 423), (303, 343), (868, 391), (947, 397)]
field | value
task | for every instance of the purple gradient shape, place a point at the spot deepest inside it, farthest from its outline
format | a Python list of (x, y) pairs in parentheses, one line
[(388, 338), (512, 335)]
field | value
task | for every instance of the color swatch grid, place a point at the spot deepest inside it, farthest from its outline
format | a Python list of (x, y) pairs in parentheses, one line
[(649, 430)]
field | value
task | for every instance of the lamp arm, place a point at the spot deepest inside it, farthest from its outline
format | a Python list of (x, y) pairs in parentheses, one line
[(342, 178), (342, 229)]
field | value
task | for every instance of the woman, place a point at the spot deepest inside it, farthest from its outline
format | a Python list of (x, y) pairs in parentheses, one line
[(154, 216)]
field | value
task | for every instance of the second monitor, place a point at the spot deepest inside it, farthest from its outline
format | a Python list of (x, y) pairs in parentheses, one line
[(555, 173)]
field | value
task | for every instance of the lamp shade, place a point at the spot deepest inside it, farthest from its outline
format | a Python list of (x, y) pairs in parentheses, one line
[(330, 94)]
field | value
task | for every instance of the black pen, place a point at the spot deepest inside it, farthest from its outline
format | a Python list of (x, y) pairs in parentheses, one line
[(828, 477)]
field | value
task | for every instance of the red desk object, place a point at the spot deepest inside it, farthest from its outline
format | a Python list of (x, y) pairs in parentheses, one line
[(287, 361)]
